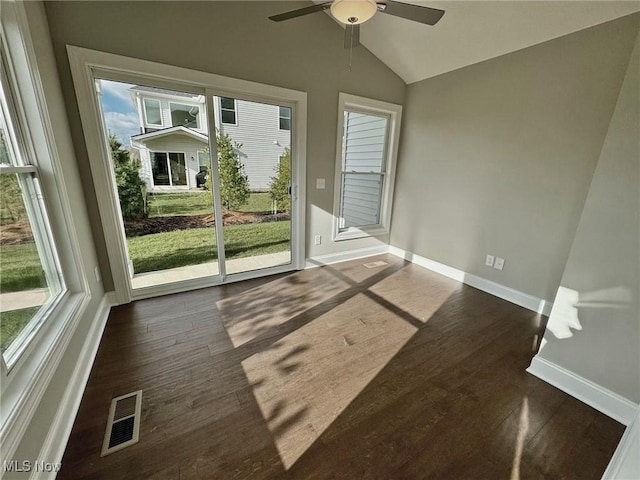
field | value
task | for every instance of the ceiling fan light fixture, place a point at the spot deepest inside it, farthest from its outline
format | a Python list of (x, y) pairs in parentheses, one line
[(353, 12)]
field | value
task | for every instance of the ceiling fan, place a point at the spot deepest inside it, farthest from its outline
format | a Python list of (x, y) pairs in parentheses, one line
[(354, 12)]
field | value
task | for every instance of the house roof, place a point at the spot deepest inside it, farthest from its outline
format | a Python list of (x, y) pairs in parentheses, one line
[(179, 130), (474, 31)]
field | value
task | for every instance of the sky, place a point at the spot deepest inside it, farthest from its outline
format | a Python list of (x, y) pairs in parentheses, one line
[(119, 111)]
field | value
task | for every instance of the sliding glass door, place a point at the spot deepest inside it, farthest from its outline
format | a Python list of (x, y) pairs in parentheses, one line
[(156, 139), (169, 169), (253, 142), (203, 183)]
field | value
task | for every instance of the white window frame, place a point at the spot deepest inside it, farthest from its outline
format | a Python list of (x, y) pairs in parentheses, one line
[(25, 383), (188, 104), (144, 109), (87, 65), (28, 174), (394, 114), (280, 117), (171, 185), (235, 111)]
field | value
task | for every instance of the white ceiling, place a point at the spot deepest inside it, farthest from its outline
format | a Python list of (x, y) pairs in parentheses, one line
[(473, 31)]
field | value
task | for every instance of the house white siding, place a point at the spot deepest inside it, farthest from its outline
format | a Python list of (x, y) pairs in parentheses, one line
[(165, 110), (363, 164), (257, 129), (263, 143), (166, 115)]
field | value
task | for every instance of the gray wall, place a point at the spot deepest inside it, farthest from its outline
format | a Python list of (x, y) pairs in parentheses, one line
[(498, 157), (604, 262), (234, 39)]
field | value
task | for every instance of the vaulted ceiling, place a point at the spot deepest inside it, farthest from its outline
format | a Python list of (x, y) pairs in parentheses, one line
[(474, 31)]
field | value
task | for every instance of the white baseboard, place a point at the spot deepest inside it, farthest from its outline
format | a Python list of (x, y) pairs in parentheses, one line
[(517, 297), (598, 397), (60, 429), (331, 258), (625, 463)]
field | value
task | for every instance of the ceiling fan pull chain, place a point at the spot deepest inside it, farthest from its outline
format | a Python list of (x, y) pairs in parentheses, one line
[(351, 50)]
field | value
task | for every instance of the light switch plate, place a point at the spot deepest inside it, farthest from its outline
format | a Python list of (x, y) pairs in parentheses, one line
[(321, 183)]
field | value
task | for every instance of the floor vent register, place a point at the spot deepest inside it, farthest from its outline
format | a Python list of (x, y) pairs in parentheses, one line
[(123, 426)]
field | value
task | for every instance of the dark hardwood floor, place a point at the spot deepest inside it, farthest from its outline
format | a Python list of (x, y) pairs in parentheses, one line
[(342, 372)]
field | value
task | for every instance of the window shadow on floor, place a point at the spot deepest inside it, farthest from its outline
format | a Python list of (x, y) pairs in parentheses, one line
[(339, 371)]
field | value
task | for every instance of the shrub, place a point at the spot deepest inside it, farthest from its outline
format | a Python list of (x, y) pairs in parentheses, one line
[(234, 183), (279, 186), (132, 191)]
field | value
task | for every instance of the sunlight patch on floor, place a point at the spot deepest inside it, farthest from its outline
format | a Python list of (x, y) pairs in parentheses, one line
[(310, 377), (393, 290), (260, 310), (523, 429)]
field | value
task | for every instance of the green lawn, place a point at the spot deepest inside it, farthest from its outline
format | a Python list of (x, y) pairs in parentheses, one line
[(12, 323), (199, 203), (20, 268), (258, 202), (191, 247)]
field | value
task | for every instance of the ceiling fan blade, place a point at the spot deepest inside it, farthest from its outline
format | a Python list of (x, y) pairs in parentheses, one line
[(351, 36), (417, 13), (300, 12)]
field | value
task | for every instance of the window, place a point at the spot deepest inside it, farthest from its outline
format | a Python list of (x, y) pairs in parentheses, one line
[(168, 169), (184, 115), (228, 110), (152, 112), (285, 118), (51, 281), (365, 166), (32, 280)]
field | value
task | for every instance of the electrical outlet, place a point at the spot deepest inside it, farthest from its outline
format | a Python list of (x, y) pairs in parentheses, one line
[(317, 239), (489, 261), (321, 183), (499, 263)]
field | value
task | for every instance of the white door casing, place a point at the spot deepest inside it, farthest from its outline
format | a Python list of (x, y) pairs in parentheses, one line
[(87, 65)]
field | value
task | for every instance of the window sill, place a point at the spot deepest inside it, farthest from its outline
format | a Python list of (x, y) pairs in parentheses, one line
[(33, 372), (21, 344), (353, 233)]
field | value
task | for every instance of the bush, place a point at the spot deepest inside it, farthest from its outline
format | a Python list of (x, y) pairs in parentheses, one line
[(234, 183), (132, 191), (279, 186)]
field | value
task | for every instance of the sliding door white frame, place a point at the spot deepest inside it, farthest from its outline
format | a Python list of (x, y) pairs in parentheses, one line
[(87, 65)]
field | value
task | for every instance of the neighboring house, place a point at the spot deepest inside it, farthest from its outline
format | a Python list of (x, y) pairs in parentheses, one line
[(173, 142)]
